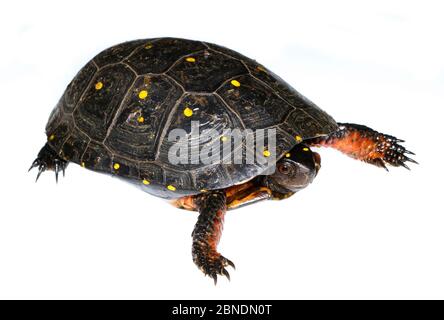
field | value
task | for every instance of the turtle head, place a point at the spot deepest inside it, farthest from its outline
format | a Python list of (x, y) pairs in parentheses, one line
[(295, 170)]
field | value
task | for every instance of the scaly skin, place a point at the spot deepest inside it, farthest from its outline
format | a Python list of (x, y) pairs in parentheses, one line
[(212, 206), (207, 232), (365, 144)]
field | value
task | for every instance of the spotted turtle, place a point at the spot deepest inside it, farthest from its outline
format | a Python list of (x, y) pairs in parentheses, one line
[(117, 114)]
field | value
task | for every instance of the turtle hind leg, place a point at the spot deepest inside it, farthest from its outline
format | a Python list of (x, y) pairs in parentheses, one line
[(363, 143), (47, 159), (206, 234)]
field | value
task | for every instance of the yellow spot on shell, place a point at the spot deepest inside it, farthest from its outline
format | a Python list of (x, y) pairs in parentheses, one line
[(146, 182), (203, 190), (171, 188), (148, 46), (224, 138), (305, 149), (116, 166), (190, 59), (188, 112), (143, 94), (51, 137), (82, 164), (287, 155), (99, 85), (267, 153), (140, 119), (298, 138), (235, 83)]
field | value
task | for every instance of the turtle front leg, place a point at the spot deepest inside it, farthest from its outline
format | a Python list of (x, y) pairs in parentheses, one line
[(363, 143), (207, 232), (47, 159)]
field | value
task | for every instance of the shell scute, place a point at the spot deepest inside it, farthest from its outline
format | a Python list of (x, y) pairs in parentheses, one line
[(96, 110), (136, 132), (161, 54), (208, 72)]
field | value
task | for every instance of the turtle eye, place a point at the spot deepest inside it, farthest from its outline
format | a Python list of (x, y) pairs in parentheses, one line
[(284, 168)]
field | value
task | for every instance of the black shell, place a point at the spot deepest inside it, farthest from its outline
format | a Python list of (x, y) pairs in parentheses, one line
[(116, 113)]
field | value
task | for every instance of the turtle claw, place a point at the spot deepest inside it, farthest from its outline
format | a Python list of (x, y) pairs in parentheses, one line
[(214, 265), (380, 163), (379, 149), (226, 274), (217, 267), (393, 153), (231, 264), (47, 159), (409, 159), (56, 170), (42, 168), (214, 276), (34, 164), (59, 165), (405, 166)]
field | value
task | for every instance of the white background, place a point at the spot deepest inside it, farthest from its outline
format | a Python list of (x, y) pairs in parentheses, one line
[(356, 232)]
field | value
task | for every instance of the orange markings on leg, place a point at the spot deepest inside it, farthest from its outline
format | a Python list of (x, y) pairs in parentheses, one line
[(355, 145), (214, 238), (248, 196), (236, 189), (186, 203)]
